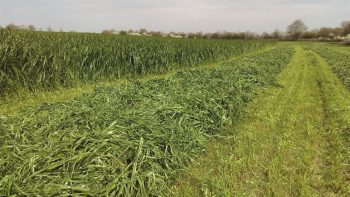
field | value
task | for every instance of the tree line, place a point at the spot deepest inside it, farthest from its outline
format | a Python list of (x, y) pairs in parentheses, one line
[(13, 26), (296, 30)]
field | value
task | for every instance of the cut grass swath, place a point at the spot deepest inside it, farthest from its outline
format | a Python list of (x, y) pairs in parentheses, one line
[(340, 63), (128, 140)]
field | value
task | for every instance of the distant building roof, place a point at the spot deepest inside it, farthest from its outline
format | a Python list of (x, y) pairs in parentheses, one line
[(175, 36)]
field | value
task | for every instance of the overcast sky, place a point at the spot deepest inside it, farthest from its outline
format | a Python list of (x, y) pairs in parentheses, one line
[(173, 15)]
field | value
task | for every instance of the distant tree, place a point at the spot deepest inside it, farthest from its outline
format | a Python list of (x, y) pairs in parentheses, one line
[(199, 34), (227, 35), (251, 35), (216, 35), (123, 32), (329, 32), (338, 31), (196, 35), (266, 35), (12, 26), (310, 34), (156, 33), (325, 32), (207, 35), (296, 29), (191, 35), (31, 28), (143, 31), (346, 27), (182, 34), (276, 34), (108, 31)]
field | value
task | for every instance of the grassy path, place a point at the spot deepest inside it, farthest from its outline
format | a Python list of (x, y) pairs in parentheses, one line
[(293, 141)]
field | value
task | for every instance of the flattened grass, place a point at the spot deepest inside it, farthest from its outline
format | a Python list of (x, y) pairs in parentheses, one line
[(131, 139)]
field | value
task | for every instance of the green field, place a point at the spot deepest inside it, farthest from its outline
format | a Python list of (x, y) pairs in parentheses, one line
[(106, 115), (32, 61)]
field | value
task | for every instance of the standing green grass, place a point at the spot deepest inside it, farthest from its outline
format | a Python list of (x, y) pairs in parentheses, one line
[(293, 141), (31, 61), (12, 104)]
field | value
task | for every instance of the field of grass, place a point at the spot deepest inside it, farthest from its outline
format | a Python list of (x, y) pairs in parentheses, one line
[(32, 61), (129, 139), (292, 141), (142, 116)]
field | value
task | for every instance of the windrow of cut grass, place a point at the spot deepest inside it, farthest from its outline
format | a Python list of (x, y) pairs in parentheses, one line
[(129, 140), (340, 62), (32, 61)]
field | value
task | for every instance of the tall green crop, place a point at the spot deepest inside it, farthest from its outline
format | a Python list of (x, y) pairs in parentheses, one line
[(45, 61)]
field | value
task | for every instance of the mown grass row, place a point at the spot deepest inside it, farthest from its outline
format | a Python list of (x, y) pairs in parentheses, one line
[(44, 61), (340, 63), (129, 140)]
